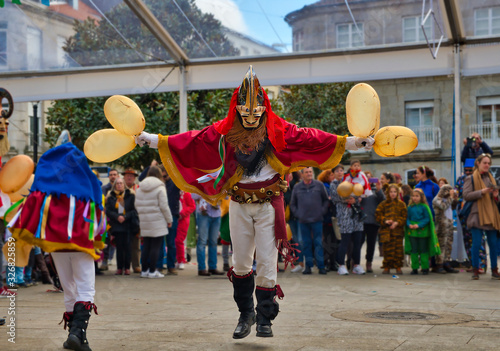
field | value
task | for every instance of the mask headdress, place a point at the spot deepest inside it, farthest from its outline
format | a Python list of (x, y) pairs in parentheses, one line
[(275, 126), (250, 96)]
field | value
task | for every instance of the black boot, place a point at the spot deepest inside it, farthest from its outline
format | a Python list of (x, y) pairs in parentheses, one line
[(68, 322), (448, 268), (267, 310), (243, 296), (77, 339)]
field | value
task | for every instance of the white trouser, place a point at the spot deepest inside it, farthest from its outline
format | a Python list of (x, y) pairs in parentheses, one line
[(252, 230), (77, 275)]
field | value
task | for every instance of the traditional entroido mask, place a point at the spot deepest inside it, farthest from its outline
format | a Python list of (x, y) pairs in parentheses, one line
[(250, 103), (5, 114)]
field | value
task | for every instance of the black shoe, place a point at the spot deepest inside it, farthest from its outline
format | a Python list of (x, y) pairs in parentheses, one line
[(243, 328), (449, 269), (425, 271), (215, 272), (414, 272), (322, 271), (264, 331), (306, 270)]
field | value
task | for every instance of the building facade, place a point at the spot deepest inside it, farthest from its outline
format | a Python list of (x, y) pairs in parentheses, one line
[(425, 105)]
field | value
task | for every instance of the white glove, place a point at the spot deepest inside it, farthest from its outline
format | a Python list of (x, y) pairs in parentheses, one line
[(146, 138), (355, 143)]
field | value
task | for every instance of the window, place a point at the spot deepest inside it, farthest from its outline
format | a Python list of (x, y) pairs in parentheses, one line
[(488, 117), (349, 37), (298, 41), (488, 110), (419, 114), (3, 44), (412, 30), (34, 48), (61, 54), (487, 21)]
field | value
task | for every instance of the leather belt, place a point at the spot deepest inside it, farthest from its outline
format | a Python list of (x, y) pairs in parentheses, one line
[(259, 195)]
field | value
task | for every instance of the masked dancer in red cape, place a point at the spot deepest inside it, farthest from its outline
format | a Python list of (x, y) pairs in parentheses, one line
[(245, 156)]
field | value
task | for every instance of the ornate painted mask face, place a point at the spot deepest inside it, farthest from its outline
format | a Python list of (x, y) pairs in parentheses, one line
[(5, 114), (250, 100), (3, 127)]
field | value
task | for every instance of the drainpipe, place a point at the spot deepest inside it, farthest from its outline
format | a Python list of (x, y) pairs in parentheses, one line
[(458, 113)]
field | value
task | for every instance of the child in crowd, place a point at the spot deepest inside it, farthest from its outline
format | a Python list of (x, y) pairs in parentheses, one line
[(420, 236), (444, 203), (356, 176), (391, 215)]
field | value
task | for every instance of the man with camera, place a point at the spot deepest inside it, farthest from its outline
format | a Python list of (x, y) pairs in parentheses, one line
[(474, 146)]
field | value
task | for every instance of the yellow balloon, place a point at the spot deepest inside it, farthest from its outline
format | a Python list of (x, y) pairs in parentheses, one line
[(107, 145), (124, 115), (344, 189), (395, 141), (23, 192), (362, 110), (358, 189), (16, 172)]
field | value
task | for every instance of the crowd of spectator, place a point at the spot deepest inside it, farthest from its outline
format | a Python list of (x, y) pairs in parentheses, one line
[(149, 219)]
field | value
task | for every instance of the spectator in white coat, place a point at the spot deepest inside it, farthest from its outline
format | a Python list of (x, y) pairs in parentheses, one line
[(151, 204)]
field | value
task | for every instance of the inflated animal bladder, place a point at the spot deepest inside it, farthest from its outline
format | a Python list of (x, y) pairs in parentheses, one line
[(344, 189), (124, 115), (16, 172), (395, 141), (107, 145), (363, 110)]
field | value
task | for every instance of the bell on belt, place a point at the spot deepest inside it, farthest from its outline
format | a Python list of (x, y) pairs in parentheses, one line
[(283, 187), (254, 198), (235, 188), (237, 198), (268, 199), (277, 193), (269, 193), (262, 190), (248, 198)]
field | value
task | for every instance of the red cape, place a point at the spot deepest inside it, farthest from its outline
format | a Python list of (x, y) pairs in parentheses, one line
[(191, 155)]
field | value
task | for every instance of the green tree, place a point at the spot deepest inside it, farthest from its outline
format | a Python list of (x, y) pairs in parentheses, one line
[(320, 106), (82, 117), (98, 43)]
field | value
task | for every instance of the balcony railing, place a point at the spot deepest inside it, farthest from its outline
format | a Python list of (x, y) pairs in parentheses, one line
[(489, 132), (429, 138)]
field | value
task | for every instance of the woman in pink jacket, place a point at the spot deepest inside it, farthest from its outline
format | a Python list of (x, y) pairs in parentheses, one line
[(187, 206)]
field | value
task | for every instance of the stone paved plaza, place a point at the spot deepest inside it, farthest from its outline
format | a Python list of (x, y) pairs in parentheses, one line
[(187, 312)]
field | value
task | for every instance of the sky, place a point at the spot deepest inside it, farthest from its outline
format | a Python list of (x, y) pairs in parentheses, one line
[(254, 18)]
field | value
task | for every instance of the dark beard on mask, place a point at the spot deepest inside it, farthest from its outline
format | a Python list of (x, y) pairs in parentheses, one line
[(246, 140)]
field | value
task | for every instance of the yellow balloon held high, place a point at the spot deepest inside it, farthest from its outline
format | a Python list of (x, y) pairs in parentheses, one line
[(344, 189), (395, 141), (16, 173), (362, 110), (107, 145), (124, 115), (23, 192), (358, 189)]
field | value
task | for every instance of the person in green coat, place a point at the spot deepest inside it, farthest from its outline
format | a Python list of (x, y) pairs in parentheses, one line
[(420, 236)]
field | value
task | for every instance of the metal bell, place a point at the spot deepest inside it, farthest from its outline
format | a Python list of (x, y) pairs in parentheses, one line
[(269, 193), (237, 198), (248, 198), (277, 193), (254, 198), (268, 199), (262, 190)]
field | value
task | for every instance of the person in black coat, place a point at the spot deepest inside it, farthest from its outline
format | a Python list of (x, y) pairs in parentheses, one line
[(121, 213)]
